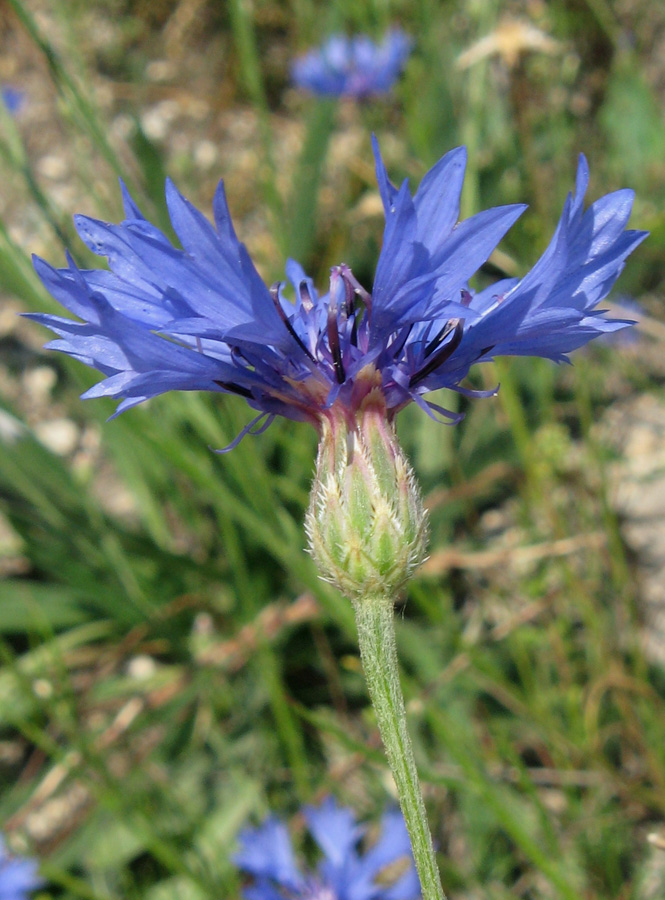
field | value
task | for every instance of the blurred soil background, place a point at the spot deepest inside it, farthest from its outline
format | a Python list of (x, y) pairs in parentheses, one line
[(171, 667)]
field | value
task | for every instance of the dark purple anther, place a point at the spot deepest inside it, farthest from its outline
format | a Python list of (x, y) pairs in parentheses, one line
[(305, 298), (333, 328), (274, 293), (349, 277), (437, 359), (441, 336)]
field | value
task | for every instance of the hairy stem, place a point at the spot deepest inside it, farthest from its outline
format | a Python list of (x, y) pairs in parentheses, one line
[(378, 651)]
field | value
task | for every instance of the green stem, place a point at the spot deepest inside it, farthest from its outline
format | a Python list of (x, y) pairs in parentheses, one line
[(378, 651)]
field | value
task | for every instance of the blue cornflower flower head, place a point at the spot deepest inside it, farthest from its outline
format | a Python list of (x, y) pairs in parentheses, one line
[(347, 360), (343, 873), (353, 66), (201, 318), (13, 98), (18, 877)]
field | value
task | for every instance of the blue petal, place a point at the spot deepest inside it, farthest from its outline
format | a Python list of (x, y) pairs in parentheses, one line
[(334, 829), (405, 888), (216, 280), (401, 260), (262, 890), (392, 845), (131, 209), (17, 876), (466, 249), (472, 241), (266, 853), (222, 216), (387, 190), (66, 288), (228, 267), (437, 199)]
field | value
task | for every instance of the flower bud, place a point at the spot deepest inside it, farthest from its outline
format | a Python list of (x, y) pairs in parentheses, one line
[(366, 524)]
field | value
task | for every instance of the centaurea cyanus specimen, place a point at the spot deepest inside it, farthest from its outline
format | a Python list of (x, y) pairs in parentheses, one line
[(13, 98), (343, 872), (355, 66), (18, 876), (347, 361)]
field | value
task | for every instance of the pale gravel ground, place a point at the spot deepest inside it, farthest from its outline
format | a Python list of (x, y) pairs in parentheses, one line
[(635, 428)]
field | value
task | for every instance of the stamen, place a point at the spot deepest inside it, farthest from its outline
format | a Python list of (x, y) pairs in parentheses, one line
[(237, 354), (234, 388), (305, 299), (354, 332), (353, 288), (253, 428), (274, 293), (364, 295), (350, 297), (333, 341), (398, 346), (445, 331), (437, 359)]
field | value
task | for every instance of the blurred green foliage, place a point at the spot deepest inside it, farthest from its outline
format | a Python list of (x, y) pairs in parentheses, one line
[(171, 666)]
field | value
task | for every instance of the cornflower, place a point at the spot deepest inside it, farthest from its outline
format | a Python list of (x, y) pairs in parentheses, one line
[(18, 877), (13, 98), (266, 853), (353, 66), (347, 361), (201, 318)]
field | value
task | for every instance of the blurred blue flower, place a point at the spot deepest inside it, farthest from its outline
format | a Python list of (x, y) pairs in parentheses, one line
[(201, 318), (12, 97), (343, 873), (17, 876), (353, 66)]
